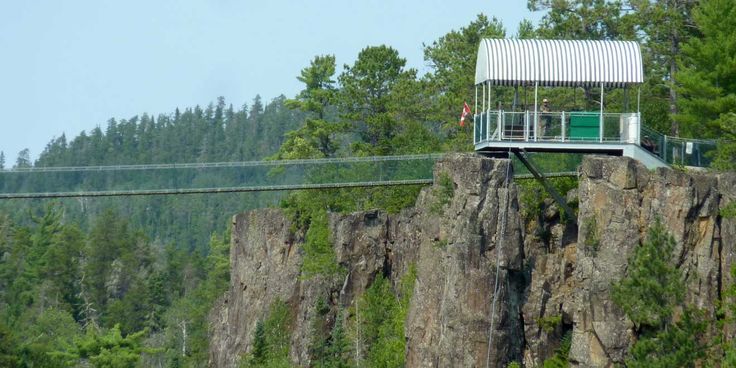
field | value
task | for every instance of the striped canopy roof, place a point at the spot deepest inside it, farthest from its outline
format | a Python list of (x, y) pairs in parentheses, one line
[(559, 62)]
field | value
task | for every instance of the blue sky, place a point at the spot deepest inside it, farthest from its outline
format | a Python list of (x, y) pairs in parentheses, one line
[(68, 66)]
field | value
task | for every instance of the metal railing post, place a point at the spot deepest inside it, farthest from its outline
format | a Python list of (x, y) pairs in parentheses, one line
[(526, 126), (562, 124), (488, 125), (503, 117), (502, 125), (475, 137), (498, 128)]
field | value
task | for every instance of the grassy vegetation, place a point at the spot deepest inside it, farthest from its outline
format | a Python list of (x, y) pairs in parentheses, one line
[(319, 255), (379, 321), (271, 339), (729, 210), (550, 323), (443, 193), (592, 242), (561, 357)]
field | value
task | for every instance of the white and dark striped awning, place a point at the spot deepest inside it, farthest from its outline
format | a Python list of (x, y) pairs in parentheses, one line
[(559, 63)]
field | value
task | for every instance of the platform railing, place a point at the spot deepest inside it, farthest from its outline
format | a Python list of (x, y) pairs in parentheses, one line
[(678, 151), (589, 127), (558, 126)]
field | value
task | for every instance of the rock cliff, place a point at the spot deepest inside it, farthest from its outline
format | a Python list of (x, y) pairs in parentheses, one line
[(472, 251)]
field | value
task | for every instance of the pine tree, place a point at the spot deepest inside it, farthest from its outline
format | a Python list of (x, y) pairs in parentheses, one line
[(648, 294), (451, 81), (259, 352), (652, 286), (708, 78), (317, 138), (666, 24), (366, 95), (581, 19), (24, 159), (2, 160)]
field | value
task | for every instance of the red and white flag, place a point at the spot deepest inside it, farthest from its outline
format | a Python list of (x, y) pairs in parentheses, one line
[(466, 111)]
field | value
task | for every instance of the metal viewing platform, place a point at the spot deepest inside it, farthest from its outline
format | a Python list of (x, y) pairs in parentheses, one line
[(505, 66)]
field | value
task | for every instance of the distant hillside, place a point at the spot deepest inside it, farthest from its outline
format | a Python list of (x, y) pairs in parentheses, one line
[(217, 133)]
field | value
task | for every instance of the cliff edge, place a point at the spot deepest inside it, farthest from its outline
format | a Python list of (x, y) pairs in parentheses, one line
[(471, 249)]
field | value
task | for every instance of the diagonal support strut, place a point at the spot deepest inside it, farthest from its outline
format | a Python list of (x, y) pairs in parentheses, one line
[(521, 155)]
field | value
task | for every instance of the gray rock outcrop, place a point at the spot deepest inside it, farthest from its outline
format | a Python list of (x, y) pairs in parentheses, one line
[(554, 278)]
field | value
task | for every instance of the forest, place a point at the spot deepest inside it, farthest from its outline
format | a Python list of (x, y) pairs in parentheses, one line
[(130, 282)]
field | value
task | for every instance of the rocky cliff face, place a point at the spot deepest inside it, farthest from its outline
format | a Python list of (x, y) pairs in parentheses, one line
[(469, 257)]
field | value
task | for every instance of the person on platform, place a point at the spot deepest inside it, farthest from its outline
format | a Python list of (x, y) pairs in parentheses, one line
[(545, 122)]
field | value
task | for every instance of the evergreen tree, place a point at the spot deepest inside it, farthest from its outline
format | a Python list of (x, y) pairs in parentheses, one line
[(365, 97), (109, 350), (679, 345), (259, 352), (271, 340), (2, 160), (317, 138), (652, 286), (452, 79), (8, 347), (707, 78), (24, 159), (648, 294), (666, 25), (581, 19)]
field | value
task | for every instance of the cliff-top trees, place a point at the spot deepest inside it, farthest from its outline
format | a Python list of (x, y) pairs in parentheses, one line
[(452, 59), (708, 78), (667, 24), (317, 137), (581, 19), (368, 91)]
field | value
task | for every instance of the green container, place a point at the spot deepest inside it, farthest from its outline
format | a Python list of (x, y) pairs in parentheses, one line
[(585, 126)]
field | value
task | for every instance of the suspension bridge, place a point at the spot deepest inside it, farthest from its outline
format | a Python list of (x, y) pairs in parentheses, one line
[(229, 177)]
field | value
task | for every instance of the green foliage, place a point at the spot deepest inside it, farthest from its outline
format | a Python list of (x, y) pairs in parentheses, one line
[(186, 320), (581, 19), (271, 339), (443, 193), (592, 240), (45, 333), (549, 324), (652, 286), (8, 347), (440, 243), (728, 314), (679, 345), (648, 294), (663, 26), (451, 81), (707, 78), (317, 138), (368, 87), (381, 320), (532, 195), (109, 350), (514, 365), (560, 358), (214, 133), (708, 68), (319, 256), (329, 348)]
